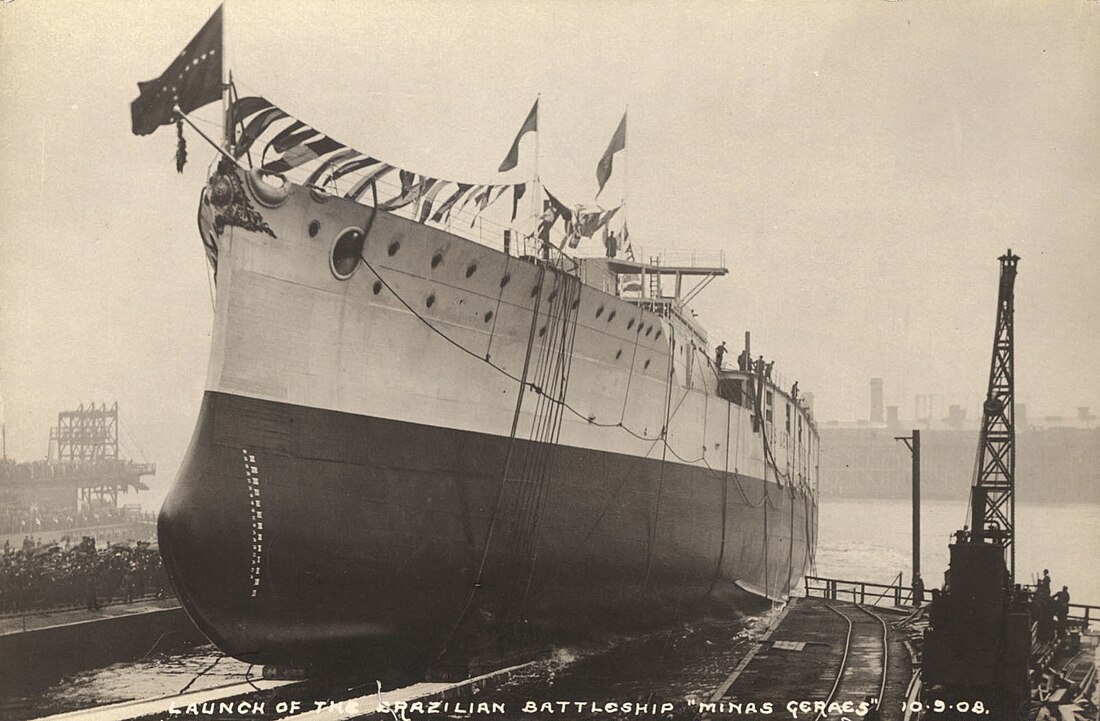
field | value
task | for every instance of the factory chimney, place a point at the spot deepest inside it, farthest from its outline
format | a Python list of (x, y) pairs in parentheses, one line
[(877, 418)]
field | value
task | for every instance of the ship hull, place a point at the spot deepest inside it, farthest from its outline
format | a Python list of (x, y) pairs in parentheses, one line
[(311, 537), (449, 443)]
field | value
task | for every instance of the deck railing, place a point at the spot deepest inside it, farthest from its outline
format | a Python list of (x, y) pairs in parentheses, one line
[(658, 258), (862, 592), (869, 592)]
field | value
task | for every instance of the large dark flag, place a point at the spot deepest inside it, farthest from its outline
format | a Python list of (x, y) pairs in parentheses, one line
[(192, 80), (552, 209), (618, 142), (530, 125)]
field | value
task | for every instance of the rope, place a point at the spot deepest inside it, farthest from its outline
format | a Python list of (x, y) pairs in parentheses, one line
[(662, 437), (767, 586), (200, 674), (630, 375), (531, 386), (664, 452), (790, 552), (496, 310), (546, 428), (565, 352), (511, 446), (725, 502)]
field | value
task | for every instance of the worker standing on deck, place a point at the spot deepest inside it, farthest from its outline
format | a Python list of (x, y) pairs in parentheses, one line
[(768, 369), (794, 391), (1044, 583), (918, 592), (719, 354), (1061, 609), (744, 361), (759, 366)]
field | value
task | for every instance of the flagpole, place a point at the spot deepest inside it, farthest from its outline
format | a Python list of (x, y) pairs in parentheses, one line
[(626, 159), (536, 200), (227, 83)]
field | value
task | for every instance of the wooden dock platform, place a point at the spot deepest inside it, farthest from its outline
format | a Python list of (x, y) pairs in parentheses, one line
[(823, 651), (49, 645)]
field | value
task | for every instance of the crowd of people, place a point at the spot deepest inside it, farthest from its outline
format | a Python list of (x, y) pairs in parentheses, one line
[(39, 577), (23, 520), (44, 469)]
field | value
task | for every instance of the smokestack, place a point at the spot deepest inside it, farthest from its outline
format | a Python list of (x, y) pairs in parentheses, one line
[(876, 402), (955, 416), (892, 417)]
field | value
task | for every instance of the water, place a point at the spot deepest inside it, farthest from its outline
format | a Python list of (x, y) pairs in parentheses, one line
[(860, 540), (160, 675), (870, 540)]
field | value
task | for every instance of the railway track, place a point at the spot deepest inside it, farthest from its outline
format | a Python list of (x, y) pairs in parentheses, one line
[(1080, 670), (865, 661)]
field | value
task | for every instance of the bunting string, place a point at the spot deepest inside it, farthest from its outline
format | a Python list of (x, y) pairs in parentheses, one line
[(286, 145)]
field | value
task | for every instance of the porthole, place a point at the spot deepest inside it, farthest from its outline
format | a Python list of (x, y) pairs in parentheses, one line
[(534, 291), (658, 334), (347, 252), (630, 324), (430, 301), (576, 303), (619, 354), (648, 330), (552, 296), (394, 247), (611, 317), (377, 287), (314, 228), (437, 259), (646, 363), (599, 311), (471, 269), (542, 331), (488, 316), (504, 280)]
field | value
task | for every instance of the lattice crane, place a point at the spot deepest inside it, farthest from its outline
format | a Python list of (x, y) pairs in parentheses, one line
[(993, 496)]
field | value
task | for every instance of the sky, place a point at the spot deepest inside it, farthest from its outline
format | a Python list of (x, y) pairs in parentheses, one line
[(861, 165)]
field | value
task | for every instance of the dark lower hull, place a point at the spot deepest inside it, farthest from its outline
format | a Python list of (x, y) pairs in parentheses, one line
[(308, 537)]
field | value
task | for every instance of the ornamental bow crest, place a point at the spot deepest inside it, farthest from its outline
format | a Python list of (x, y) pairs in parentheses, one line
[(231, 203)]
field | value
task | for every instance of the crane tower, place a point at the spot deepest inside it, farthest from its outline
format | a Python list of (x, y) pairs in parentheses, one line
[(993, 492)]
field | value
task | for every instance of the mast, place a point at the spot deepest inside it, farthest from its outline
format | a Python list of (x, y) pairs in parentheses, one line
[(227, 86), (536, 199), (626, 160), (993, 493)]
